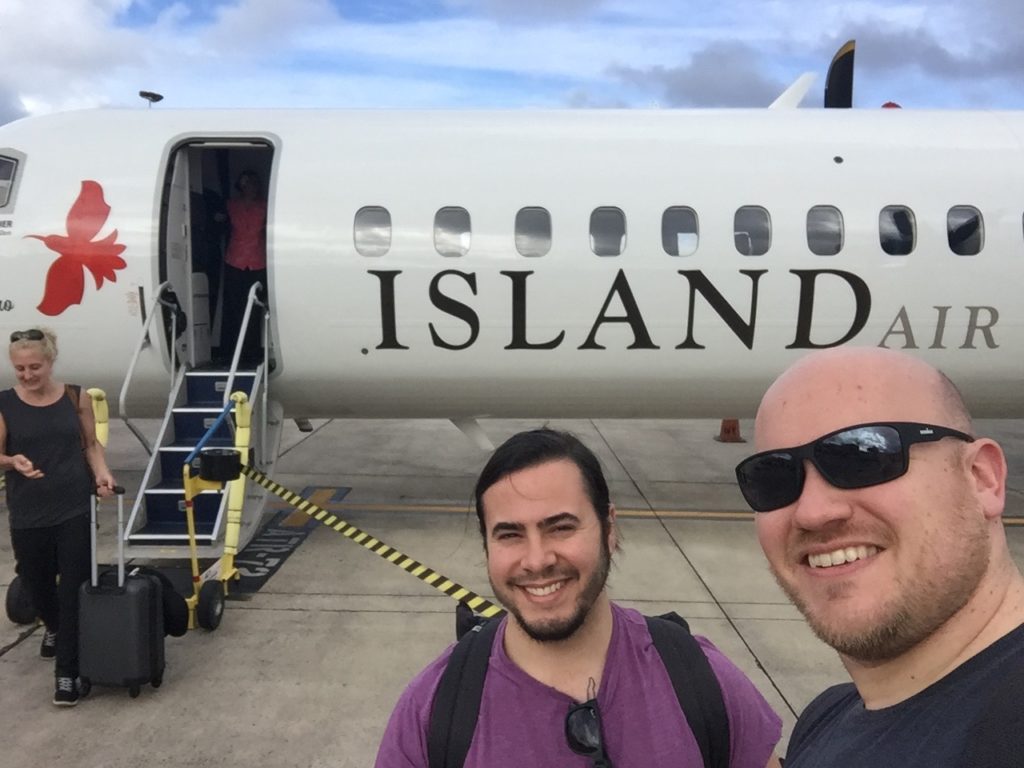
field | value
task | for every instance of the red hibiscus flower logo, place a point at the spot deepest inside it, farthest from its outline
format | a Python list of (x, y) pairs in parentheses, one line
[(65, 280)]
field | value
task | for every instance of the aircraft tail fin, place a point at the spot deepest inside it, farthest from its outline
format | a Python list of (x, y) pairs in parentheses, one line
[(839, 83)]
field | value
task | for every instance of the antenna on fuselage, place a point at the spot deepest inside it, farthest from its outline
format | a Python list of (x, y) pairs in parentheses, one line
[(151, 96)]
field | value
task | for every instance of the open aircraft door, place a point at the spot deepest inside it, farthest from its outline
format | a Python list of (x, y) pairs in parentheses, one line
[(192, 344), (195, 230)]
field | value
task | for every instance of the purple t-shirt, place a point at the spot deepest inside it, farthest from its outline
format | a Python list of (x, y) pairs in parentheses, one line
[(522, 720)]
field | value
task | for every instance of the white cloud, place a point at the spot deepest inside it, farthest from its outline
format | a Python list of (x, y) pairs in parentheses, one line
[(11, 107), (259, 28), (528, 11), (501, 52)]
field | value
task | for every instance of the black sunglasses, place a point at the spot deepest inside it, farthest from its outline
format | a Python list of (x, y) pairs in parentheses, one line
[(583, 732), (32, 334), (853, 457)]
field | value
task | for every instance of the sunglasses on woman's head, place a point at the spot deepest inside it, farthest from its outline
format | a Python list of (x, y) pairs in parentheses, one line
[(853, 457), (583, 732), (32, 334)]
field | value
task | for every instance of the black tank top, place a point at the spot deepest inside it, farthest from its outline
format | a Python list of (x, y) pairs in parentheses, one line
[(50, 436)]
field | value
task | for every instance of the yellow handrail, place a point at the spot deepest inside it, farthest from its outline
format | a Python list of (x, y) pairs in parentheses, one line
[(236, 488), (100, 413)]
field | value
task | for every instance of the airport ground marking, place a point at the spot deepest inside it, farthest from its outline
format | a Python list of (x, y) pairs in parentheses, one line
[(682, 514), (457, 509), (1012, 521), (443, 584)]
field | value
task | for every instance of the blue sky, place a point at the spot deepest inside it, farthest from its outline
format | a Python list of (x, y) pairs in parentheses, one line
[(67, 54)]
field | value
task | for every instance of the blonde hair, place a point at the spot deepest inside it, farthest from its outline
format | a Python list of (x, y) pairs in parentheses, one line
[(47, 345)]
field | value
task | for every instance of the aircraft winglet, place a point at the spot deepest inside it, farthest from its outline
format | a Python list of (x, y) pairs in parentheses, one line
[(792, 96)]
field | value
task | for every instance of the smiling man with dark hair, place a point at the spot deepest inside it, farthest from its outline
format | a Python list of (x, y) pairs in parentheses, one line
[(570, 679)]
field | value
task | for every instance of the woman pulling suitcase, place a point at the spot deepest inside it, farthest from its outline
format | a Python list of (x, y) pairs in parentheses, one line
[(53, 464)]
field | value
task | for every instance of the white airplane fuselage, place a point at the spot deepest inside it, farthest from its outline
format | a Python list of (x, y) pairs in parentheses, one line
[(493, 333)]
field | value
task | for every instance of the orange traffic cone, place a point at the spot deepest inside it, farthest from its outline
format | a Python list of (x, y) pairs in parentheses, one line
[(730, 432)]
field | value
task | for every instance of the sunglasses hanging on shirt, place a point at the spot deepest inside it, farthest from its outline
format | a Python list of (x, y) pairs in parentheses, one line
[(583, 730)]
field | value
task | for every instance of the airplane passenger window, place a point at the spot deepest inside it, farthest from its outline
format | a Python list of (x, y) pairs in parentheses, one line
[(372, 230), (607, 231), (7, 168), (533, 231), (897, 230), (451, 231), (680, 232), (965, 230), (824, 230), (752, 230)]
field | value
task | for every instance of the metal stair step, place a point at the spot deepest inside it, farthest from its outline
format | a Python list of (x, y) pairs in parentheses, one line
[(207, 387), (190, 424), (163, 501), (173, 485), (160, 531)]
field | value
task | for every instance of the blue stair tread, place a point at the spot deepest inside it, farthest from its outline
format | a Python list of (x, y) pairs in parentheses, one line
[(164, 498), (172, 510)]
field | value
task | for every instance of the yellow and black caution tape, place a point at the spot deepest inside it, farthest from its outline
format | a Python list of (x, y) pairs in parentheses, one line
[(480, 605)]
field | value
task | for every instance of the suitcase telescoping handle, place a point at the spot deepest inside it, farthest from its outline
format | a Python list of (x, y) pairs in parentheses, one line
[(119, 492)]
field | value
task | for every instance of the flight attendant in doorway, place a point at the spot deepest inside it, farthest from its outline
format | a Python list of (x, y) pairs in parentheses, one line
[(245, 264)]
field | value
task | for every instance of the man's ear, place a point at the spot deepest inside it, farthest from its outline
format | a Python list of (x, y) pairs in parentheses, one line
[(613, 529), (988, 475)]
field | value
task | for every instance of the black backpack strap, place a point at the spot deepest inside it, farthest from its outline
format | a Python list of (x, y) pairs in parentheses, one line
[(465, 619), (695, 684), (457, 700)]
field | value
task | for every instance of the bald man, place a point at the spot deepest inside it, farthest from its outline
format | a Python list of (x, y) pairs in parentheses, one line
[(879, 511)]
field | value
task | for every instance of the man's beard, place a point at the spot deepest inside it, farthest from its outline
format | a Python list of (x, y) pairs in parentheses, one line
[(555, 630), (920, 605)]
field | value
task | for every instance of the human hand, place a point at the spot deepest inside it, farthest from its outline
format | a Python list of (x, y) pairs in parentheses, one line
[(105, 484), (22, 464)]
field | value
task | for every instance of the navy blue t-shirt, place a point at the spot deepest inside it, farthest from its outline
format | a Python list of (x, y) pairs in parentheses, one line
[(936, 728)]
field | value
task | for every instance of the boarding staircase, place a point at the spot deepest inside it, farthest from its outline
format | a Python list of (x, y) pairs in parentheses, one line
[(157, 527)]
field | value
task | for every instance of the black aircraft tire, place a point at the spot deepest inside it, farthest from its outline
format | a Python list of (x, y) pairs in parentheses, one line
[(19, 607), (210, 608)]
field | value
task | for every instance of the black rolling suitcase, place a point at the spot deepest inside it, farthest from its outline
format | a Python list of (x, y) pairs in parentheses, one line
[(120, 622)]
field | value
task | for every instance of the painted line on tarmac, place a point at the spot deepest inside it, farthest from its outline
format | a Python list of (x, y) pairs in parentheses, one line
[(641, 513), (676, 514), (480, 605)]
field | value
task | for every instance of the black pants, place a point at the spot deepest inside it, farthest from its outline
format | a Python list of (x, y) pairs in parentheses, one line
[(237, 283), (42, 554)]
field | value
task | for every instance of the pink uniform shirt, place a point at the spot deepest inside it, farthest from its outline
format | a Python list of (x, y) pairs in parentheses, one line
[(247, 248)]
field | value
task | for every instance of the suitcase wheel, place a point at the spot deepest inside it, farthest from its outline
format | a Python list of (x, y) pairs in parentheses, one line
[(158, 681), (133, 691), (84, 686), (19, 606)]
